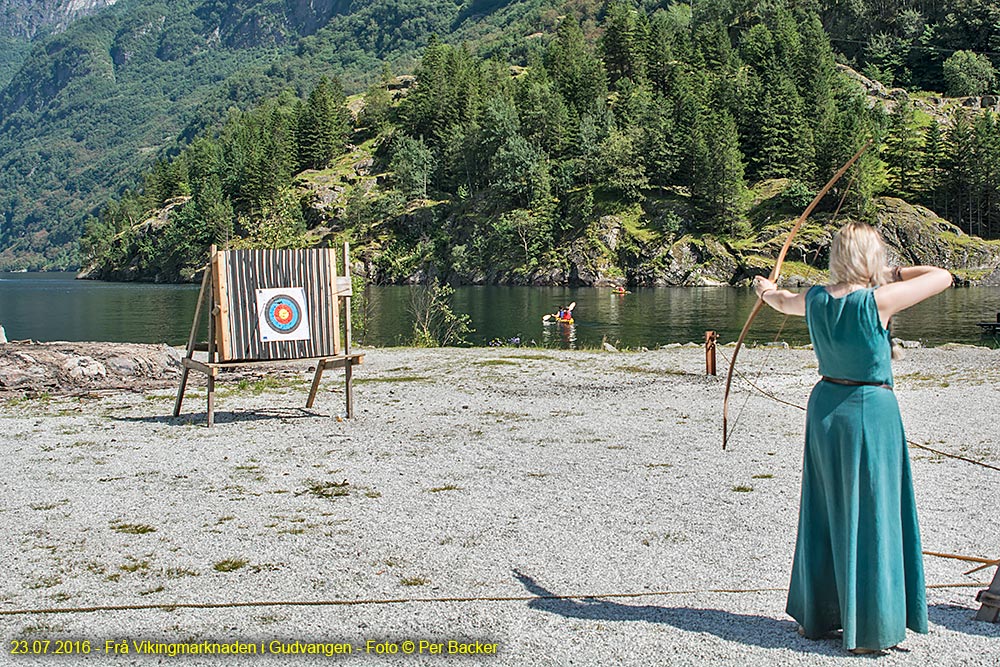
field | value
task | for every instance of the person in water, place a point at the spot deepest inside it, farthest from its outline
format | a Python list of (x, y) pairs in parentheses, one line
[(857, 568)]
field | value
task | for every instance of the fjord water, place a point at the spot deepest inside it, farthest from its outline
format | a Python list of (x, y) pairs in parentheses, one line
[(55, 306)]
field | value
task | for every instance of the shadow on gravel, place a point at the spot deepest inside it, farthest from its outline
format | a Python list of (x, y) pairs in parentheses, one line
[(740, 628), (961, 619), (225, 417)]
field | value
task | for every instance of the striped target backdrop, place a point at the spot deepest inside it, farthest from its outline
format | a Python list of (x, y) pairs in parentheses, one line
[(278, 304)]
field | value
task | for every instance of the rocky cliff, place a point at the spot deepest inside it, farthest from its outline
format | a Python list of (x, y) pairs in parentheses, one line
[(26, 19)]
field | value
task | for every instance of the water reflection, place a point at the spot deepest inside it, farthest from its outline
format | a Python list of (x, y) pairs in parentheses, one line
[(559, 334), (54, 306)]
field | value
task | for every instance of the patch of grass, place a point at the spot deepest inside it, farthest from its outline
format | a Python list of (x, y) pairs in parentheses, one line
[(372, 493), (39, 628), (532, 357), (179, 572), (327, 489), (152, 590), (269, 619), (667, 537), (229, 565), (765, 475), (502, 415), (414, 581), (496, 362), (42, 507), (742, 489), (539, 475), (446, 487), (135, 566), (46, 582), (258, 387), (132, 528), (642, 369), (659, 465), (32, 397), (400, 378)]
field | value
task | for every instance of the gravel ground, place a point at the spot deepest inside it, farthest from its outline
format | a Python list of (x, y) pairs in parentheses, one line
[(485, 473)]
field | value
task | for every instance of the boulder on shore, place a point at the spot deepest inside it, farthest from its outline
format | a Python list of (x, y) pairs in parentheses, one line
[(63, 367)]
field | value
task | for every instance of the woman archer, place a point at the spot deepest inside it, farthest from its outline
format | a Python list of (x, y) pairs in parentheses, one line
[(857, 565)]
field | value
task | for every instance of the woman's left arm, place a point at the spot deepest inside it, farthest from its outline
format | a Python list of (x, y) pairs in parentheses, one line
[(782, 300)]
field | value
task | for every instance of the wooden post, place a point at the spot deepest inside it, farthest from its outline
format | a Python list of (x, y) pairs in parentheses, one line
[(213, 313), (710, 339), (320, 367), (348, 367), (990, 597), (193, 338)]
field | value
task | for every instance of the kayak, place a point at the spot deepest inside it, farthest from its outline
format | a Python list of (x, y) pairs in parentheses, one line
[(568, 320)]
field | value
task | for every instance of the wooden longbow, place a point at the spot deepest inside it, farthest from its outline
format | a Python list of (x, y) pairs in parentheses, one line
[(775, 272)]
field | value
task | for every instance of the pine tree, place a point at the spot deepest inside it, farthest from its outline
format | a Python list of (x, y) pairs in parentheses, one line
[(621, 167), (576, 71), (623, 44), (412, 164), (987, 150), (786, 147), (932, 160), (960, 185), (323, 126), (542, 111), (422, 106), (902, 150), (719, 193)]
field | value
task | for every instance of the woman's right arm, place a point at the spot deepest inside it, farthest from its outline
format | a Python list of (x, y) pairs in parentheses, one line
[(915, 284)]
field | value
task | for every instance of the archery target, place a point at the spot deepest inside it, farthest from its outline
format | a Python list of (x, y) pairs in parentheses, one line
[(282, 314)]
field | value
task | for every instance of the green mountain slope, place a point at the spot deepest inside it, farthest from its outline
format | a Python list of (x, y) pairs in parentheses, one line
[(94, 106), (22, 22)]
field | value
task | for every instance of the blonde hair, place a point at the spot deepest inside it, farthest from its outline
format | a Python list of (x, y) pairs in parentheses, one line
[(858, 256)]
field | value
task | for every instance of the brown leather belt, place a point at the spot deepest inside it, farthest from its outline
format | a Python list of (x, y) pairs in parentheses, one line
[(855, 383)]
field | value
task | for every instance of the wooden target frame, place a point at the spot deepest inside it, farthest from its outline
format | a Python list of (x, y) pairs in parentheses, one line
[(274, 306)]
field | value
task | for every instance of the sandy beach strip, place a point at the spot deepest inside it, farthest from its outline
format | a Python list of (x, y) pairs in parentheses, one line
[(509, 475)]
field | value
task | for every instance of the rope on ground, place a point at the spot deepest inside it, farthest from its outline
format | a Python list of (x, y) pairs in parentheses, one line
[(768, 394), (953, 456), (985, 562), (392, 601)]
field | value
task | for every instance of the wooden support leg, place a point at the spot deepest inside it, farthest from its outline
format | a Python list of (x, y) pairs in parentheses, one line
[(180, 391), (990, 611), (320, 367), (211, 398), (349, 387)]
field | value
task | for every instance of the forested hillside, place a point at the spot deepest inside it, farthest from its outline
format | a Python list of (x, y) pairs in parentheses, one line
[(676, 137), (673, 109), (22, 22), (94, 106)]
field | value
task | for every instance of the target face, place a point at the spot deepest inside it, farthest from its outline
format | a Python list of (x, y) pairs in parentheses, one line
[(281, 314)]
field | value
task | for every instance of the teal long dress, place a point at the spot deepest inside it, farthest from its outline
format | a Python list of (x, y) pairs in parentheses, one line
[(857, 560)]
